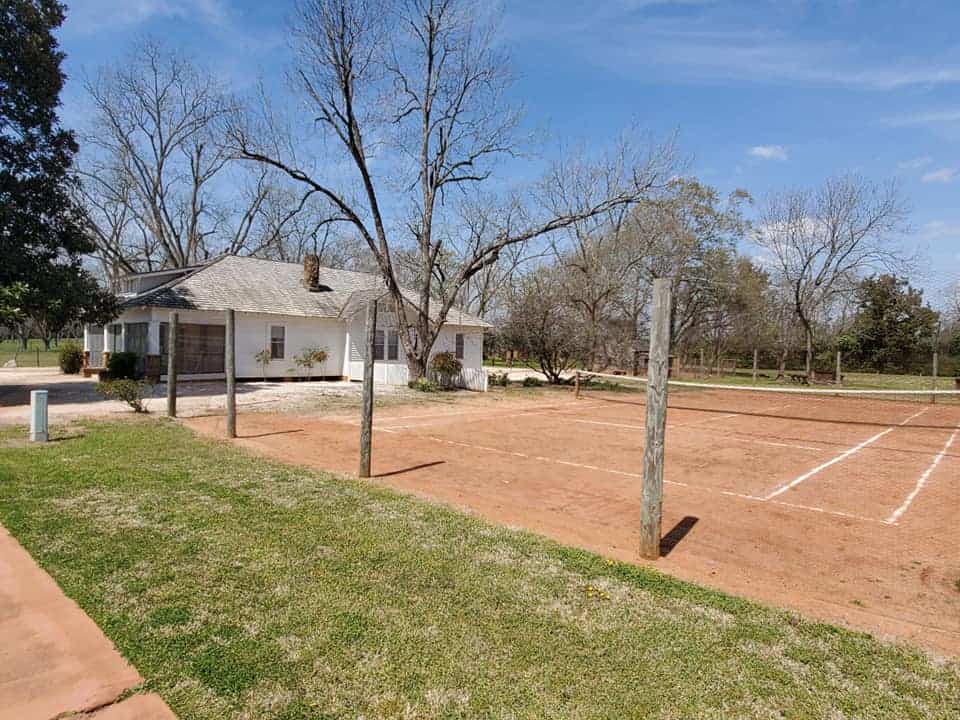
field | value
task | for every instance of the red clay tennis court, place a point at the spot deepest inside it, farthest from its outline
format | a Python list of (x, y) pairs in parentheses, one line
[(844, 508)]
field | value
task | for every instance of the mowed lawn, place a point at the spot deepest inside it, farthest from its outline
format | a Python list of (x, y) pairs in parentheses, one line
[(242, 588), (35, 355)]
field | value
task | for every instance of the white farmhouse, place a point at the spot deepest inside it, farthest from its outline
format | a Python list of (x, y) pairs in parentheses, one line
[(281, 310)]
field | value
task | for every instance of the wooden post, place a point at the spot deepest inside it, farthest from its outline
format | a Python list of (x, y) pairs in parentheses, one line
[(756, 360), (172, 365), (230, 366), (703, 367), (656, 423), (366, 422), (838, 373), (936, 371), (576, 384)]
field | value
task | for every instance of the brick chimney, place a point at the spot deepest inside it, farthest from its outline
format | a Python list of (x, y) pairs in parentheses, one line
[(311, 272)]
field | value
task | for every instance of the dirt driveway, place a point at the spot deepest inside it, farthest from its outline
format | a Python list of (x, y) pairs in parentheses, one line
[(73, 396), (844, 512)]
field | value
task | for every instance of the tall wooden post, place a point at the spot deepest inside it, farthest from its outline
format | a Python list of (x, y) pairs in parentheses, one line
[(936, 371), (703, 366), (656, 424), (838, 373), (366, 422), (756, 361), (936, 363), (172, 364), (230, 366), (576, 385)]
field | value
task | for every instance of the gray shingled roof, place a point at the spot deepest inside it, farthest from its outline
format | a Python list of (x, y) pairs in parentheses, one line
[(253, 285)]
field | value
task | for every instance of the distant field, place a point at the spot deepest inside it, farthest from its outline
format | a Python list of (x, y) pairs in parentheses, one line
[(33, 356)]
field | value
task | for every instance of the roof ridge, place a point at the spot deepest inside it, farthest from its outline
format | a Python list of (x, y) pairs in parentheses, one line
[(276, 291)]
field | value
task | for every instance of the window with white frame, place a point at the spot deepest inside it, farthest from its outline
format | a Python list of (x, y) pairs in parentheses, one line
[(458, 353), (378, 345), (278, 341), (115, 338), (393, 345)]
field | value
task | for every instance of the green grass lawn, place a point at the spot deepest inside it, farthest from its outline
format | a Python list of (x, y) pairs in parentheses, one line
[(242, 588), (33, 356)]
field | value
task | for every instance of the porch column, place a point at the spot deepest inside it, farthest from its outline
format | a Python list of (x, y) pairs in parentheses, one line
[(151, 362), (105, 348), (153, 337), (86, 345)]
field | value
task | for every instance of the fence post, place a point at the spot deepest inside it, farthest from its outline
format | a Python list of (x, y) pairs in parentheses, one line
[(703, 367), (936, 370), (656, 423), (230, 365), (576, 392), (838, 378), (366, 421), (756, 360), (172, 364)]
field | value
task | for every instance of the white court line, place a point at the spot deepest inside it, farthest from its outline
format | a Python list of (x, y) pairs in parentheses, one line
[(623, 473), (775, 444), (842, 456), (815, 390), (611, 424), (727, 416), (545, 410), (706, 420), (727, 437), (895, 516)]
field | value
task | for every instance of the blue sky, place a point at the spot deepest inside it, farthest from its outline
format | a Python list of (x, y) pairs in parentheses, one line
[(764, 94)]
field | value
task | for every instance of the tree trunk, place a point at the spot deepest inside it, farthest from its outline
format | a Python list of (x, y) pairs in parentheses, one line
[(417, 364), (782, 365)]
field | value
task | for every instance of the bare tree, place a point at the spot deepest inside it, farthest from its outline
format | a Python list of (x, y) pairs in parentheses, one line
[(412, 94), (821, 241), (543, 325), (679, 235), (157, 179)]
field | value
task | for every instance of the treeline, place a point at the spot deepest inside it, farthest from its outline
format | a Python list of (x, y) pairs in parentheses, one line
[(817, 274), (171, 168)]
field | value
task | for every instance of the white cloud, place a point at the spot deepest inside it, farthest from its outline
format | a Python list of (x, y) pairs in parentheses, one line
[(933, 117), (769, 152), (943, 175), (95, 15), (916, 163), (938, 230), (723, 42)]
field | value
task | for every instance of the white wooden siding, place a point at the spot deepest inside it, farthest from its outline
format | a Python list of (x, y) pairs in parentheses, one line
[(342, 340)]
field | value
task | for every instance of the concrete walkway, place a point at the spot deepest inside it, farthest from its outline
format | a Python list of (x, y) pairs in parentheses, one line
[(54, 660)]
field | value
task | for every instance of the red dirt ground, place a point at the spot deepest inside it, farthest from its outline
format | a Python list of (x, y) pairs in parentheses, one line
[(844, 510)]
